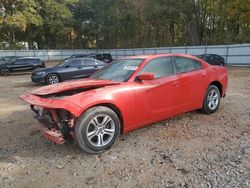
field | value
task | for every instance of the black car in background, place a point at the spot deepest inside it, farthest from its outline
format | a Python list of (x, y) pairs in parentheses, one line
[(20, 64), (76, 56), (105, 57), (213, 59), (6, 59), (71, 69)]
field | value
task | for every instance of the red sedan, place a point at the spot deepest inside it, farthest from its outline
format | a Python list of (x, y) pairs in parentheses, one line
[(125, 95)]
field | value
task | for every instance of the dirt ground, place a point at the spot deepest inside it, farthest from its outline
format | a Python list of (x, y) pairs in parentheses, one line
[(191, 150)]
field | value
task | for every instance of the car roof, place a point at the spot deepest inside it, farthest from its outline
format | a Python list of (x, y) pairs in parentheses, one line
[(158, 55), (87, 58)]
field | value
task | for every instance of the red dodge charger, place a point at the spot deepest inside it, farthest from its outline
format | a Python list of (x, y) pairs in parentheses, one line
[(127, 94)]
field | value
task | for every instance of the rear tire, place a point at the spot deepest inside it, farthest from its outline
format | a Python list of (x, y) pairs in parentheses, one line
[(52, 79), (222, 64), (4, 71), (97, 129), (211, 100)]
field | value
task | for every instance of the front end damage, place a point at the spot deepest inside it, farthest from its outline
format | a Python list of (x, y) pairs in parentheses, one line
[(56, 117), (54, 110), (56, 125)]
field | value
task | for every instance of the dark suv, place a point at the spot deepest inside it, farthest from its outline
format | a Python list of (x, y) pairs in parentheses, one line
[(21, 64), (105, 57)]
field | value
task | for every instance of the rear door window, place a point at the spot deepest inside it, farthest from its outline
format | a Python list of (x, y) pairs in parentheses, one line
[(21, 61), (186, 64), (88, 62)]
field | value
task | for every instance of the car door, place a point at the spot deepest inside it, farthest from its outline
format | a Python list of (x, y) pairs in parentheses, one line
[(20, 64), (157, 99), (192, 79), (89, 67), (71, 70), (31, 63)]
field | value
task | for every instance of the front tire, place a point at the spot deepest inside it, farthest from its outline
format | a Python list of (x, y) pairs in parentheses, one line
[(97, 129), (211, 100), (52, 79), (4, 71)]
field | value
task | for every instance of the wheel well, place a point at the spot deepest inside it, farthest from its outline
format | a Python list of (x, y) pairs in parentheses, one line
[(219, 85), (115, 109)]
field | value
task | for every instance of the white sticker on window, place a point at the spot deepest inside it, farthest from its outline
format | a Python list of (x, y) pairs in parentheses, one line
[(130, 68)]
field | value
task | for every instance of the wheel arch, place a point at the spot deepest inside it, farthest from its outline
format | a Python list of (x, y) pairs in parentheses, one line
[(218, 85), (114, 108)]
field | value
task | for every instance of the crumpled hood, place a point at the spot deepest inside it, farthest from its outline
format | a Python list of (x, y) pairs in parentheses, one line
[(72, 85)]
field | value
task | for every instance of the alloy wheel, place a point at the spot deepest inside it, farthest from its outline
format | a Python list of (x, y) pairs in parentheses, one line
[(53, 79), (5, 72), (100, 130), (213, 99)]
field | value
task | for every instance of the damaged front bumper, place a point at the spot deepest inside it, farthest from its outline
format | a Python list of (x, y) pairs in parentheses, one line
[(56, 117), (52, 135), (55, 124)]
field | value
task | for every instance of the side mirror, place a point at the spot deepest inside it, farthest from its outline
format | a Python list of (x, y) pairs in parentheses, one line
[(146, 76)]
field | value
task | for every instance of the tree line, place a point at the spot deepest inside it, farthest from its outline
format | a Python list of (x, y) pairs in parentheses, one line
[(77, 24)]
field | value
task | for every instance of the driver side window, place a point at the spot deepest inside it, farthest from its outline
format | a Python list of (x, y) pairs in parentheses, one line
[(160, 67)]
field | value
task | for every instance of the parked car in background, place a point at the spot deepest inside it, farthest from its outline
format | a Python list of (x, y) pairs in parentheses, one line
[(20, 64), (125, 95), (76, 56), (6, 59), (212, 59), (105, 57), (72, 69)]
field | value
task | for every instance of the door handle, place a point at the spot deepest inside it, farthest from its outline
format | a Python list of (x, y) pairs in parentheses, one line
[(174, 83), (204, 74)]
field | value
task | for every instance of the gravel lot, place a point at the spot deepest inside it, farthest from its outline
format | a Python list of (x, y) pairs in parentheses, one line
[(191, 150)]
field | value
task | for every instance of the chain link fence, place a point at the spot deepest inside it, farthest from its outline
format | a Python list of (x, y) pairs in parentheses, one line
[(234, 54)]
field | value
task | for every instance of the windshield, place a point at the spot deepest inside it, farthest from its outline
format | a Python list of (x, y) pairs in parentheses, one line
[(61, 64), (119, 70)]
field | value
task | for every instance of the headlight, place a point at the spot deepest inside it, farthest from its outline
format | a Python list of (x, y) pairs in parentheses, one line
[(40, 73)]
